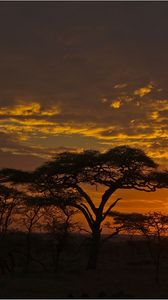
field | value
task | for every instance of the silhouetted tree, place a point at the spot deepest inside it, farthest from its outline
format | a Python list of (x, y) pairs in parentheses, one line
[(59, 224), (9, 200), (153, 226), (63, 181), (30, 218)]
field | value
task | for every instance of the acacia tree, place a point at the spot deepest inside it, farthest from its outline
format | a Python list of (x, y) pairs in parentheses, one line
[(59, 225), (31, 217), (62, 181), (9, 201), (153, 226)]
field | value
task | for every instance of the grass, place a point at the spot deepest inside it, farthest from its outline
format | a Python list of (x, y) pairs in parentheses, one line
[(124, 271)]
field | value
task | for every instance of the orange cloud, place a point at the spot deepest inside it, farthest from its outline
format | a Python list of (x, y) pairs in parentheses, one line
[(24, 121), (28, 109), (116, 104), (143, 91), (120, 85), (154, 115)]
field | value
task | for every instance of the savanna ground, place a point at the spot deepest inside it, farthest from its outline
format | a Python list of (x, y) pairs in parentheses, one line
[(125, 270)]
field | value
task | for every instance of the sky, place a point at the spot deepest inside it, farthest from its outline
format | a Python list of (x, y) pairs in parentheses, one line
[(82, 75)]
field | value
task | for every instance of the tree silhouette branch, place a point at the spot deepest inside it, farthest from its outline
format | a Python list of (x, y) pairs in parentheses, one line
[(105, 197), (118, 229), (110, 207), (85, 213), (86, 196)]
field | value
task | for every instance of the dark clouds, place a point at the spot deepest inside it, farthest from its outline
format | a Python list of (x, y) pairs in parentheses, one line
[(80, 49), (72, 55)]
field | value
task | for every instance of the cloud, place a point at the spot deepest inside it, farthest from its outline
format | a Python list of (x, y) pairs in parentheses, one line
[(120, 85), (14, 154), (124, 124), (74, 70), (143, 90), (104, 100), (19, 161), (116, 104), (154, 115), (28, 109)]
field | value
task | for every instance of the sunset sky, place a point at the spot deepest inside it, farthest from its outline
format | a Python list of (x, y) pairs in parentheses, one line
[(84, 75)]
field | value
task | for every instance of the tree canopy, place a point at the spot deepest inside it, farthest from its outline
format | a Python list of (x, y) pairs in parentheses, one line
[(62, 181)]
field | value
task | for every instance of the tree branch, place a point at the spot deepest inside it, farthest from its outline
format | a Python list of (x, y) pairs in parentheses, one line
[(87, 198), (113, 234), (106, 196), (82, 204), (85, 213), (110, 207)]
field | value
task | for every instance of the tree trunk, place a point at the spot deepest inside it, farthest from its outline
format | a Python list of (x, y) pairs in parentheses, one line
[(28, 254), (158, 256), (56, 255), (94, 250)]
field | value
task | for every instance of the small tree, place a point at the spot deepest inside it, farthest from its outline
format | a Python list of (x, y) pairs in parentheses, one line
[(60, 226), (153, 226), (30, 218), (9, 200)]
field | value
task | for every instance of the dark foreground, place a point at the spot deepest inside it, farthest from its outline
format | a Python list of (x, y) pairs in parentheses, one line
[(125, 270)]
